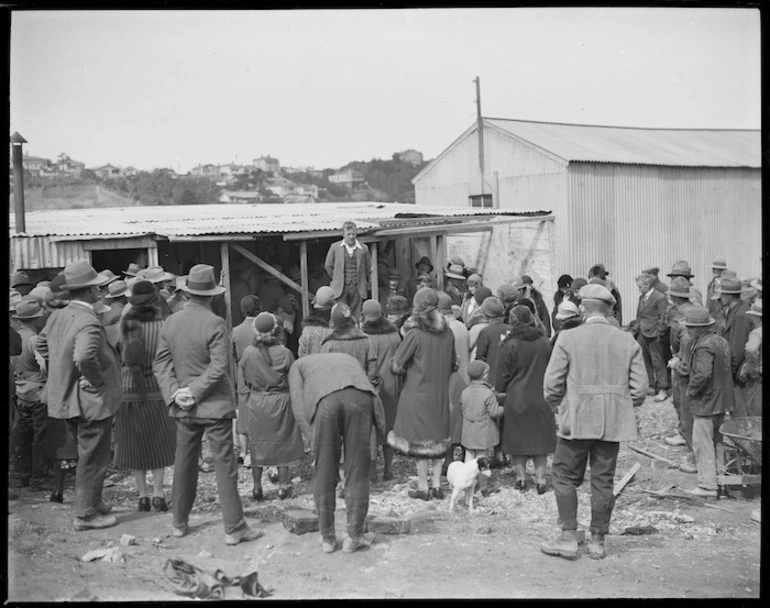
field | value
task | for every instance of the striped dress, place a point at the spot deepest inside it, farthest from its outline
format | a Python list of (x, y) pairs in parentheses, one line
[(145, 434)]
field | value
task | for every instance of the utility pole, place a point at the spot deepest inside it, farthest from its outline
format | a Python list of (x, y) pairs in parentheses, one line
[(18, 181), (480, 129)]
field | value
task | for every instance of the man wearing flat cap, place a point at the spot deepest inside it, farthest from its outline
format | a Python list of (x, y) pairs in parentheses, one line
[(736, 330), (192, 365), (83, 387), (593, 381)]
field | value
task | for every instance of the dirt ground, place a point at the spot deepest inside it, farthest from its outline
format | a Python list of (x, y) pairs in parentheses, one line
[(697, 551)]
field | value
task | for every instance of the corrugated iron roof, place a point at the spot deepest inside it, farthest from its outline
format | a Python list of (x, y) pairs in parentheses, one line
[(198, 220), (638, 146)]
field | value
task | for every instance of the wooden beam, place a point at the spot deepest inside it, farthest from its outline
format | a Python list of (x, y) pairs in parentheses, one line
[(670, 463), (375, 272), (466, 225), (303, 278), (626, 478), (266, 267)]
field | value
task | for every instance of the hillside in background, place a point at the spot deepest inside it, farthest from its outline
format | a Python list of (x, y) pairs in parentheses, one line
[(70, 197), (391, 177)]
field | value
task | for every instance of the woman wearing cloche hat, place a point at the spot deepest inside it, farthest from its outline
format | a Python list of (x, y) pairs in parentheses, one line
[(274, 437), (426, 359)]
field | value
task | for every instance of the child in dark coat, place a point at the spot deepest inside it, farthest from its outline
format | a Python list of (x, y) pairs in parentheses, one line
[(480, 408)]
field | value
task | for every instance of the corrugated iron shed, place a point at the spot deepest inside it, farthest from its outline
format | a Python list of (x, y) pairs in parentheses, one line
[(635, 146), (186, 221)]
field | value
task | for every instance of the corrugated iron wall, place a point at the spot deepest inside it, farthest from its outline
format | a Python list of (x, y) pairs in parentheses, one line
[(633, 217), (35, 252)]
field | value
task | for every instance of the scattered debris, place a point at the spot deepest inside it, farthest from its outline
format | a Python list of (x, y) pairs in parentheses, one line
[(86, 595), (639, 530), (626, 478), (127, 539), (205, 553), (300, 521), (670, 463), (191, 581), (111, 555), (756, 515), (157, 541)]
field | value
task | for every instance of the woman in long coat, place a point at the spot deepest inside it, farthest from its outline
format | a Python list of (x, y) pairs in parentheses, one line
[(145, 435), (426, 358), (384, 339), (274, 436), (529, 430)]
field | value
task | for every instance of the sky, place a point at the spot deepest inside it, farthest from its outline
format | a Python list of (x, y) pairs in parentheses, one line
[(322, 88)]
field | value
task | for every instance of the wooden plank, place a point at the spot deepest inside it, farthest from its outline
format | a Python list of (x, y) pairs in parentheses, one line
[(267, 267), (303, 278), (626, 478), (653, 456), (739, 480), (373, 277)]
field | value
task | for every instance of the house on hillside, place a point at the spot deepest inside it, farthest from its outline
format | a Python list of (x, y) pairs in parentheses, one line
[(233, 170), (66, 166), (290, 170), (347, 177), (629, 198), (310, 190), (128, 171), (240, 196), (208, 170), (412, 157), (36, 165), (106, 171), (267, 163)]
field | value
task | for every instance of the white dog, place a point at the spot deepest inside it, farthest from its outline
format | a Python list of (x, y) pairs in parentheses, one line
[(462, 477)]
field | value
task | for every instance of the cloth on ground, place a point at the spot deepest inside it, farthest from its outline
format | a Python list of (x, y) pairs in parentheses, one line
[(192, 581)]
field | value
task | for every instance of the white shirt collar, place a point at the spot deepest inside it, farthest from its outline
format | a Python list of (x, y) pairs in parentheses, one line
[(649, 293), (356, 246)]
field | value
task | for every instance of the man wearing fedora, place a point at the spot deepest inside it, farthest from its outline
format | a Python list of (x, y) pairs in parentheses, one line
[(28, 437), (83, 387), (21, 282), (735, 330), (711, 395), (455, 283), (192, 365), (424, 267), (179, 297), (593, 381), (349, 264), (681, 268), (116, 298), (715, 308), (681, 346), (133, 270)]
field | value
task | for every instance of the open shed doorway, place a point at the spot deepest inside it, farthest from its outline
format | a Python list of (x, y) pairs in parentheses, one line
[(118, 260)]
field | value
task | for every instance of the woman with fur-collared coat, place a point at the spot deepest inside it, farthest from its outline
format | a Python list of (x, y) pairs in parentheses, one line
[(315, 327), (346, 338), (145, 436), (426, 358)]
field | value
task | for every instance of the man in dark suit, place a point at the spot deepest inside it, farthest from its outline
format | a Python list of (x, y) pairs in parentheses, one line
[(649, 328), (349, 264), (192, 366), (83, 387), (736, 330)]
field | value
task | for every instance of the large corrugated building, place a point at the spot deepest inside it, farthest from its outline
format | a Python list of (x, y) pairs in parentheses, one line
[(630, 198)]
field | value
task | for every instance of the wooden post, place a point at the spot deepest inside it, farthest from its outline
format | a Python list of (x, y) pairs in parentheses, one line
[(18, 181), (225, 253), (434, 258), (375, 274), (152, 255), (304, 279)]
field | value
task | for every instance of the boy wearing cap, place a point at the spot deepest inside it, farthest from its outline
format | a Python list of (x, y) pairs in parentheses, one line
[(192, 367), (397, 310), (710, 390), (83, 387), (349, 264), (593, 381), (28, 437), (480, 410), (736, 331)]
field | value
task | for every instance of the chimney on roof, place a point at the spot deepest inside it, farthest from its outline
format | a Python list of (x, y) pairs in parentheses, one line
[(18, 181)]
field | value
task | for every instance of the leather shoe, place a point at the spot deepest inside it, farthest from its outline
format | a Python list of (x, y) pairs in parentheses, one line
[(661, 396), (565, 546), (687, 467), (675, 440), (328, 546), (257, 495), (541, 488), (144, 503), (353, 544), (521, 485), (437, 493), (702, 492), (245, 534), (284, 493), (159, 503), (419, 494), (179, 532), (95, 522), (595, 547)]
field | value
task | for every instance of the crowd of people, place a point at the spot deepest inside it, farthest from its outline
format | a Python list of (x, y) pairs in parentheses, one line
[(135, 370)]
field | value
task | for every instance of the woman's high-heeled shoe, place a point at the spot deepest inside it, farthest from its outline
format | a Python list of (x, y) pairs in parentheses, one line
[(541, 488), (159, 503), (144, 503), (521, 485)]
